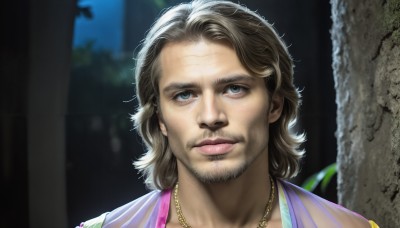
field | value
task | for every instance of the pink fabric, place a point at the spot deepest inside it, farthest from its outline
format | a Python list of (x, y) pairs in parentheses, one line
[(164, 209)]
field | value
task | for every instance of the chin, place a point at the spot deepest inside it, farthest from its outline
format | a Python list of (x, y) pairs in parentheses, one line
[(218, 174)]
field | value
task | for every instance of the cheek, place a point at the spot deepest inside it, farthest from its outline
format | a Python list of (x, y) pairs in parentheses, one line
[(258, 127), (253, 119), (253, 114), (177, 128), (176, 125)]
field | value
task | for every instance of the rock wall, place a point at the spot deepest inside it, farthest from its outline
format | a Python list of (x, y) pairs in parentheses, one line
[(366, 65)]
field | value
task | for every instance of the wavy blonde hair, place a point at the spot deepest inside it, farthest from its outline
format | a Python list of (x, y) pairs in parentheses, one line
[(259, 49)]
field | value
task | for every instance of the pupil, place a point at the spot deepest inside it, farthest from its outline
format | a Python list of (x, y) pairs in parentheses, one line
[(185, 95), (235, 89)]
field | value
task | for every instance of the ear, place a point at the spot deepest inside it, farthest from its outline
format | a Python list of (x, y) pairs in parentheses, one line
[(276, 107), (161, 124)]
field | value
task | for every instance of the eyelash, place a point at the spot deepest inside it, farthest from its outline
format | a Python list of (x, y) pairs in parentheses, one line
[(176, 97), (243, 90)]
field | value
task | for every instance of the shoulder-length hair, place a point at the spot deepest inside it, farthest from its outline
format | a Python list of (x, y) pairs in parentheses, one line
[(261, 52)]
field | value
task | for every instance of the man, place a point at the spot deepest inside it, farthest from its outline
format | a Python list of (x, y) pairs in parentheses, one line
[(214, 83)]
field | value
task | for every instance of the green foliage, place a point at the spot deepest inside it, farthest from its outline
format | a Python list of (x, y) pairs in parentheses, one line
[(324, 177), (100, 82), (160, 3), (82, 55), (109, 69)]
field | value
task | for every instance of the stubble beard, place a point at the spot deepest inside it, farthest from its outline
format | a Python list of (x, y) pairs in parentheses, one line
[(219, 174)]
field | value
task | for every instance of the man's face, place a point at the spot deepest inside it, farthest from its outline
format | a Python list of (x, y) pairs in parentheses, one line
[(213, 112)]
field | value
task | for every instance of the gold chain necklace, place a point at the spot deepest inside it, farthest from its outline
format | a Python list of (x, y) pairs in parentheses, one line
[(261, 224)]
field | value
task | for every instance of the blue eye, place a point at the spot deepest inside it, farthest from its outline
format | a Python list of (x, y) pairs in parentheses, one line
[(183, 96), (234, 89)]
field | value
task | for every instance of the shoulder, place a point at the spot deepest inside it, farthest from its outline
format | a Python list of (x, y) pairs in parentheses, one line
[(311, 209), (136, 212)]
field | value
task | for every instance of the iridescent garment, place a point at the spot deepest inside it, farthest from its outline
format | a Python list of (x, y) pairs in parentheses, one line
[(298, 207)]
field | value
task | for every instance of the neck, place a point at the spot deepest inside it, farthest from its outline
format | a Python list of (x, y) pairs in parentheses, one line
[(237, 203)]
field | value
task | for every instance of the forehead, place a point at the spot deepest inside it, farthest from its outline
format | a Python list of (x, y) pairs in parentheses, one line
[(194, 51), (203, 59)]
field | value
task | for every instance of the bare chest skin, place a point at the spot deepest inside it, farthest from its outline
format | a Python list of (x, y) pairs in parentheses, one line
[(275, 220), (273, 223)]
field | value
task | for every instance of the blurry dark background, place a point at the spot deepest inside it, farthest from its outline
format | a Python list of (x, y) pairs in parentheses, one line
[(66, 140)]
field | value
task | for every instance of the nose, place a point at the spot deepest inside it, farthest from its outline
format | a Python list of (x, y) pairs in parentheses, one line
[(211, 113)]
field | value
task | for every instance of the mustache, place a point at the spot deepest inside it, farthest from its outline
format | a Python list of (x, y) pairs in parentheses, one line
[(214, 134)]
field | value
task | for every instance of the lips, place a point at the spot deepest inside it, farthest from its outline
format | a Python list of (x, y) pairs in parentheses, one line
[(215, 146)]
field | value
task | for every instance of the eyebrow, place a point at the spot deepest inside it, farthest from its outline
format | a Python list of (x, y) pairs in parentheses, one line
[(178, 86), (220, 81), (234, 78)]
